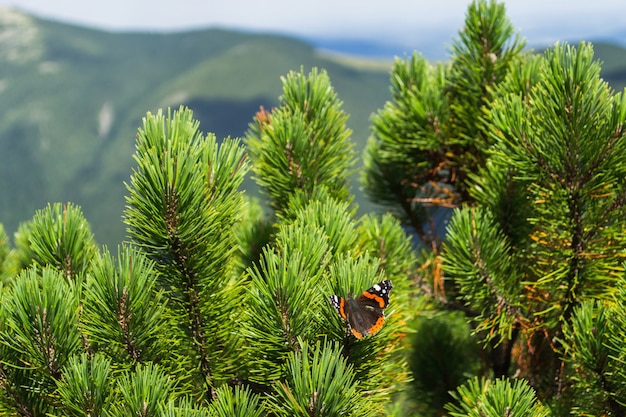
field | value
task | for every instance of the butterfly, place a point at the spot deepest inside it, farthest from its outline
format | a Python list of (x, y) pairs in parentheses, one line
[(365, 314)]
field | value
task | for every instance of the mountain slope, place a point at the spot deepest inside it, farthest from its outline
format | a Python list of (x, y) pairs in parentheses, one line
[(72, 98)]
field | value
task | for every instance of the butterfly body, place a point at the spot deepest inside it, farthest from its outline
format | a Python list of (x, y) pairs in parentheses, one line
[(364, 314)]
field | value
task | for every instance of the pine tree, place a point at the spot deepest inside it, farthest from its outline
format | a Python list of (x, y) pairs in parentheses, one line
[(428, 141), (183, 203), (210, 308), (218, 305), (527, 269), (529, 150), (301, 154)]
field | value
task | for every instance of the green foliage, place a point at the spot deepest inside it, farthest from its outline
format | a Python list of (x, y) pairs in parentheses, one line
[(182, 208), (214, 309), (595, 351), (313, 256), (427, 143), (8, 261), (186, 407), (84, 388), (383, 237), (60, 236), (38, 335), (125, 316), (146, 391), (236, 402), (302, 144), (284, 299), (335, 217), (356, 263), (253, 232), (427, 140), (530, 152), (443, 356), (407, 131), (481, 397), (313, 381), (558, 150), (482, 56), (23, 253), (564, 145), (477, 257), (318, 248)]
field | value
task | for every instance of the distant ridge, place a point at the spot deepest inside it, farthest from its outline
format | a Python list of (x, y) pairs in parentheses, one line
[(72, 98)]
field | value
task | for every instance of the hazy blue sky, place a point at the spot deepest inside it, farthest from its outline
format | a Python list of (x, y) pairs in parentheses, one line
[(393, 20)]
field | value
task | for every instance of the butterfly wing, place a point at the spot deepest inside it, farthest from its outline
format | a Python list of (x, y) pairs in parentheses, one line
[(377, 296), (365, 314), (369, 316)]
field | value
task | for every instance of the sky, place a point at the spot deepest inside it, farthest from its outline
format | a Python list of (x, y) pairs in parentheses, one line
[(399, 21)]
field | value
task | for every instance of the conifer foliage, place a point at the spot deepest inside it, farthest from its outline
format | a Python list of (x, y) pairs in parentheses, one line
[(561, 148), (529, 150), (427, 139), (196, 315), (318, 249), (309, 129), (183, 203), (504, 175)]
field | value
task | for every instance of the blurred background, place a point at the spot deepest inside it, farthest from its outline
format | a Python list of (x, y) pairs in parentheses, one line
[(76, 77)]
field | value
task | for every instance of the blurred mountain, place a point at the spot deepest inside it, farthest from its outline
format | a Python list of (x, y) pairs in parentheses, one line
[(72, 98)]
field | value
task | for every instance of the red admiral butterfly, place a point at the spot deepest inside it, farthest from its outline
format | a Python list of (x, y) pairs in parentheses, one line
[(365, 313)]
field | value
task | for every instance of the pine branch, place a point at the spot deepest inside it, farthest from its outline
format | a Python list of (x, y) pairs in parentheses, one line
[(144, 392), (124, 315), (285, 298), (236, 402), (39, 335), (183, 205), (319, 382), (304, 143), (477, 257), (480, 397), (85, 387), (60, 236)]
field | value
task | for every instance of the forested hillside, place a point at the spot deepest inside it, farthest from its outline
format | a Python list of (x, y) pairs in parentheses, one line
[(71, 99)]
